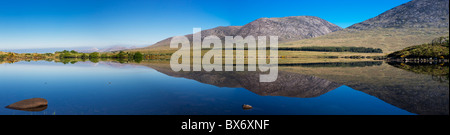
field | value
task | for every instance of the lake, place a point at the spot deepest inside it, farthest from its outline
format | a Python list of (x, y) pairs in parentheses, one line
[(152, 88)]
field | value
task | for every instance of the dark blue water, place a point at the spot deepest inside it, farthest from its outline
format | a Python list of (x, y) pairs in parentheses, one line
[(119, 89)]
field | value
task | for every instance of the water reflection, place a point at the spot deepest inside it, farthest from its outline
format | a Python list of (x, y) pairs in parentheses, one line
[(287, 85), (439, 71), (74, 60), (417, 93), (114, 88), (414, 92)]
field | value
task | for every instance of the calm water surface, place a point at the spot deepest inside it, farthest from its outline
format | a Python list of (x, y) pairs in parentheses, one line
[(108, 88)]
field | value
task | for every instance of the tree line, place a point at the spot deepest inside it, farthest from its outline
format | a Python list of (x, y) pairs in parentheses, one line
[(319, 49), (333, 49), (137, 56)]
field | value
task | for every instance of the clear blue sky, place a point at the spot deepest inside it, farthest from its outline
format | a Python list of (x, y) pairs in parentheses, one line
[(102, 23)]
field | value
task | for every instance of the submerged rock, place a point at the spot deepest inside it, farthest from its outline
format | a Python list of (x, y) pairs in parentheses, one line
[(34, 104), (246, 107)]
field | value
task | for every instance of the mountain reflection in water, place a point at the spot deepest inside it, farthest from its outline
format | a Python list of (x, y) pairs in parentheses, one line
[(416, 93), (287, 84), (311, 88)]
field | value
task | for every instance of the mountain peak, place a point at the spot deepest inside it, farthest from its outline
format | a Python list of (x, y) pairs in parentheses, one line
[(413, 14), (289, 28), (286, 28)]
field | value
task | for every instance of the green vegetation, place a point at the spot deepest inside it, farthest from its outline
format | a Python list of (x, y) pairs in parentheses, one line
[(160, 56), (333, 49), (74, 56), (14, 57), (438, 48), (84, 56), (138, 57), (120, 55), (95, 55)]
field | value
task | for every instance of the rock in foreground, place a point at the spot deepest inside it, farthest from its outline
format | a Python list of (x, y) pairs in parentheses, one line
[(246, 107), (34, 104)]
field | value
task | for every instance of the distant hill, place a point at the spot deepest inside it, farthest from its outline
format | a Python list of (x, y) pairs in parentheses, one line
[(287, 28), (218, 31), (109, 49), (412, 23), (42, 50), (78, 49)]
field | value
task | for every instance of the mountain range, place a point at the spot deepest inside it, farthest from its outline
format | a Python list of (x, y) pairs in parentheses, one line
[(78, 49), (42, 50), (109, 49), (287, 28), (412, 23), (414, 14)]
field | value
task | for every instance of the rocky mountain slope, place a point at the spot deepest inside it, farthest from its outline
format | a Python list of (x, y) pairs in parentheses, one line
[(414, 14), (287, 28), (413, 23)]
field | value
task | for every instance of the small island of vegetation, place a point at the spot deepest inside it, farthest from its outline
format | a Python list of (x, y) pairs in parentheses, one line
[(437, 49)]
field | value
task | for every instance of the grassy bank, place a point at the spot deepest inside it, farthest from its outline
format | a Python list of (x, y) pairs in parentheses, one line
[(388, 39)]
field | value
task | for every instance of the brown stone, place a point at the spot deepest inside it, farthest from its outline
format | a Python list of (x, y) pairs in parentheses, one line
[(246, 107), (34, 104)]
